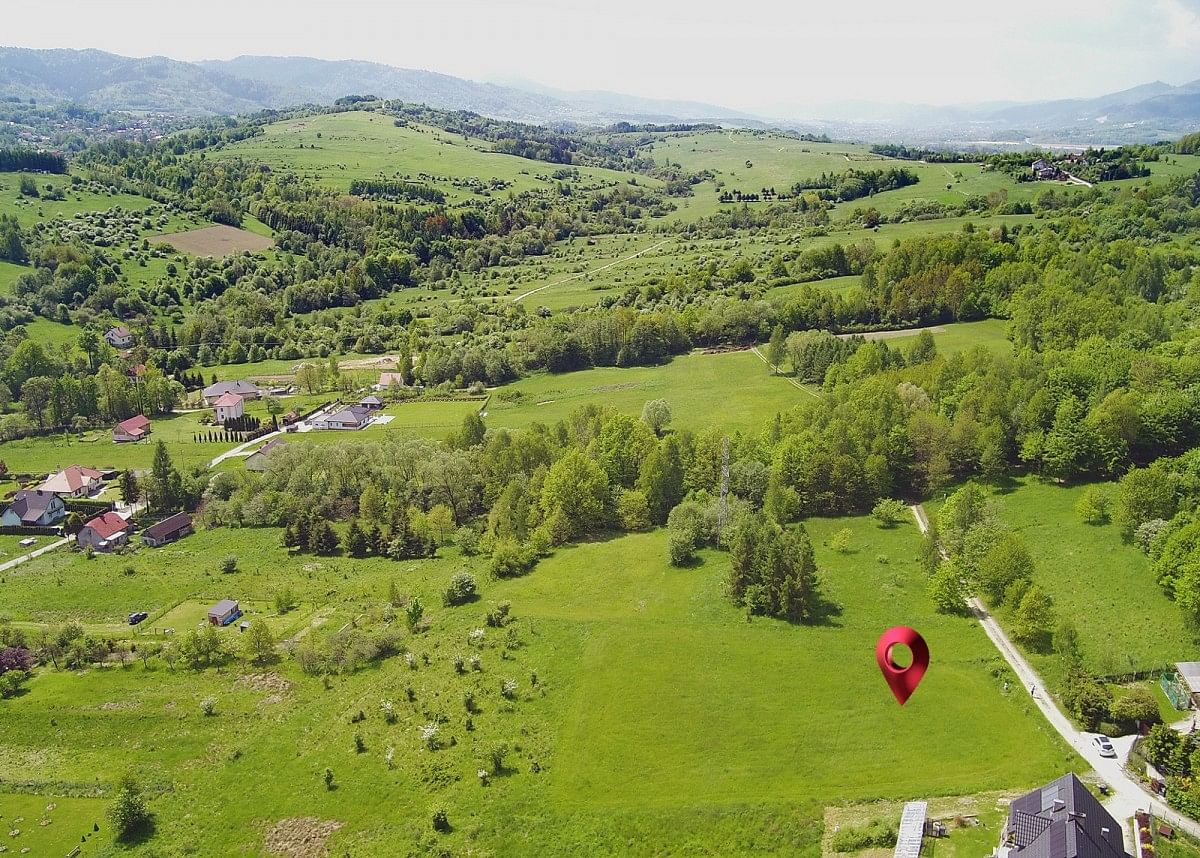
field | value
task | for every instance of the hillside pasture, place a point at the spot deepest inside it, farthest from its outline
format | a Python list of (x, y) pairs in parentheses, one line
[(77, 199), (1103, 584), (733, 391), (337, 148), (783, 720)]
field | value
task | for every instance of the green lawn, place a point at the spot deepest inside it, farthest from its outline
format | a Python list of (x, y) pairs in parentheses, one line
[(732, 391), (781, 721), (990, 334), (1103, 584), (96, 448)]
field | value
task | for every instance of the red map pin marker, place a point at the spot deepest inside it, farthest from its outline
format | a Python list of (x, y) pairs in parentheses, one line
[(902, 680)]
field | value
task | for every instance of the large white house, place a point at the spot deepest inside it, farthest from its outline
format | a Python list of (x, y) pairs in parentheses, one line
[(74, 482), (350, 417), (119, 337), (34, 508), (229, 406)]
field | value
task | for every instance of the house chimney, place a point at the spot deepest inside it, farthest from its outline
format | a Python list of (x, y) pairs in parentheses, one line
[(1104, 833), (1058, 806)]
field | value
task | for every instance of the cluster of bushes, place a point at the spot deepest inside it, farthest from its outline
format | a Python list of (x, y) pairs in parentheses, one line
[(1176, 755), (878, 834)]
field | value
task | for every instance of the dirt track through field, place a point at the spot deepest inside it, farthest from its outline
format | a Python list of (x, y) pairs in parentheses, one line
[(524, 295), (762, 357)]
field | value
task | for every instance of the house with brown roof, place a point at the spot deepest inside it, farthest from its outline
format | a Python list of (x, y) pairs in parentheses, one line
[(169, 529), (34, 508), (119, 337), (133, 429), (228, 406), (104, 532), (387, 379), (258, 460), (75, 481)]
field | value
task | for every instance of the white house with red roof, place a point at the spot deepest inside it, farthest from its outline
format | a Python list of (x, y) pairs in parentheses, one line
[(133, 429), (229, 406), (119, 337), (104, 532), (74, 482)]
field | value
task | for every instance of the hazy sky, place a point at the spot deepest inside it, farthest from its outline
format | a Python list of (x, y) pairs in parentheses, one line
[(751, 54)]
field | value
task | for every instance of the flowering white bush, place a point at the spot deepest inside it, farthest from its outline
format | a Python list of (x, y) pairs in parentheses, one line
[(483, 776), (476, 636), (508, 689), (429, 735), (389, 711), (389, 755)]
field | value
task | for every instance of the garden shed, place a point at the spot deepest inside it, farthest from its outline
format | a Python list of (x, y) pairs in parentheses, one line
[(224, 612)]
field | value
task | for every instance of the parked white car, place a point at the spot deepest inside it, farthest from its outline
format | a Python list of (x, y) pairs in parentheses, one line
[(1104, 746)]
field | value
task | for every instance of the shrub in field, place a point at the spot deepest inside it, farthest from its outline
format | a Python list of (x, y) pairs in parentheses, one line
[(889, 512), (128, 812), (462, 589)]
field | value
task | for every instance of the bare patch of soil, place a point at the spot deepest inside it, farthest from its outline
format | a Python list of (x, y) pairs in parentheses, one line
[(300, 837), (271, 683), (219, 240)]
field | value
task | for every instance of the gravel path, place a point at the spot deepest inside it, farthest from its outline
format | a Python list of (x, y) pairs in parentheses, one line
[(1128, 795)]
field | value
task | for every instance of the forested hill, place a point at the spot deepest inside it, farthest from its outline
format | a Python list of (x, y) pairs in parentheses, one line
[(105, 81)]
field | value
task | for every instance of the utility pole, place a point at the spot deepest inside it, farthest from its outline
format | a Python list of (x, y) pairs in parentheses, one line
[(723, 510)]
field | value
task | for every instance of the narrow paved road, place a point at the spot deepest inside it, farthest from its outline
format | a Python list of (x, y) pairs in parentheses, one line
[(16, 561), (1128, 795)]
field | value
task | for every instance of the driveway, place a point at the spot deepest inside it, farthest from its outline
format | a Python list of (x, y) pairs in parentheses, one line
[(16, 561), (1128, 795)]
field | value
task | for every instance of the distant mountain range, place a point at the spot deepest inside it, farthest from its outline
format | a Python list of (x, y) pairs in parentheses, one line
[(158, 84)]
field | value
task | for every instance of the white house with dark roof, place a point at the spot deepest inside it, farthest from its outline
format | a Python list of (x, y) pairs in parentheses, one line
[(34, 508), (350, 417), (1060, 820)]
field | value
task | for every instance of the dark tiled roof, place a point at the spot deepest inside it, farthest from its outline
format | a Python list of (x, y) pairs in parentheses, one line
[(168, 526), (241, 388), (31, 504), (1063, 820)]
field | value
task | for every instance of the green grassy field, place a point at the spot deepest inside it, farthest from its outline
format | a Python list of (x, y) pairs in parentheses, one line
[(733, 391), (782, 720), (340, 147), (30, 210), (1103, 584), (990, 334), (96, 448)]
